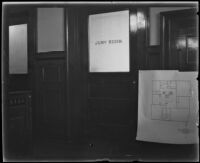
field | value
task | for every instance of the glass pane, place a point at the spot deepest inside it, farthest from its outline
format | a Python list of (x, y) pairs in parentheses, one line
[(50, 29), (109, 42), (18, 49)]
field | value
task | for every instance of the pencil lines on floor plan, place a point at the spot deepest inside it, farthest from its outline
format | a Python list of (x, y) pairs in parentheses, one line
[(171, 100)]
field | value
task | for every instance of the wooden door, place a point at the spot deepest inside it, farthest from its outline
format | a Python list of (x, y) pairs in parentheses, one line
[(50, 74), (180, 40), (112, 97)]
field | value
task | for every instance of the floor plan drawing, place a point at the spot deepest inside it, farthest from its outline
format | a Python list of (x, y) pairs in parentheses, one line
[(171, 100), (168, 107)]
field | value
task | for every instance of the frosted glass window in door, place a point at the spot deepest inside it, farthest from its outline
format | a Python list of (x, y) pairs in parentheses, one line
[(50, 29), (18, 59), (109, 42)]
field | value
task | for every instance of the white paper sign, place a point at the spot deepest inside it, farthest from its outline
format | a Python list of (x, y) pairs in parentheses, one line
[(168, 107), (109, 42)]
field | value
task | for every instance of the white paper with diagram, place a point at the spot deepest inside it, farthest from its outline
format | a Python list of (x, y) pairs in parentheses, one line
[(168, 107)]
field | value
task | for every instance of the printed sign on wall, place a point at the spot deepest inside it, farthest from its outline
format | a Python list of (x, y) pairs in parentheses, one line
[(109, 42)]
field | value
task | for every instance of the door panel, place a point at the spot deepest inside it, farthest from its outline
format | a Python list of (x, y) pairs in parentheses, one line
[(51, 102), (109, 105)]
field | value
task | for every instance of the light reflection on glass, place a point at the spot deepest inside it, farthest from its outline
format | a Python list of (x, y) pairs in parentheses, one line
[(141, 20), (193, 43), (192, 50), (133, 23), (181, 43)]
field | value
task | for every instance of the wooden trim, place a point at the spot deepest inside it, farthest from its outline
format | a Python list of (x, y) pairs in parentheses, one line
[(109, 74), (85, 66), (50, 55), (36, 30), (162, 40), (34, 75), (109, 4), (148, 26), (108, 98), (147, 33), (20, 92), (66, 21), (5, 69), (180, 12), (133, 44)]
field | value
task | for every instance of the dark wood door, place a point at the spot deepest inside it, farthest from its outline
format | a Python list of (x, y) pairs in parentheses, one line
[(112, 97), (50, 77), (180, 40)]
